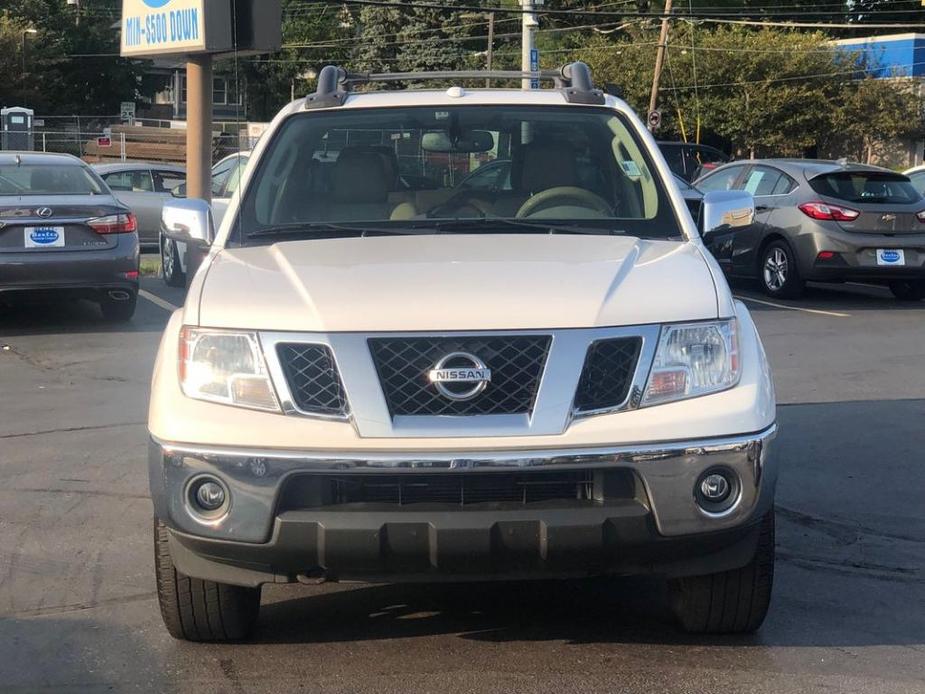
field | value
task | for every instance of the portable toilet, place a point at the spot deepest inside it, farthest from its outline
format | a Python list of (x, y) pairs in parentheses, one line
[(16, 129)]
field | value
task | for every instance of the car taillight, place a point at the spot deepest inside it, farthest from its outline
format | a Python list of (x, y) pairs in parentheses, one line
[(824, 211), (114, 224)]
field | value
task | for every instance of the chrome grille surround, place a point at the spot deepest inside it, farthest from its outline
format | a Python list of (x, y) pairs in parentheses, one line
[(553, 407), (607, 377), (313, 378)]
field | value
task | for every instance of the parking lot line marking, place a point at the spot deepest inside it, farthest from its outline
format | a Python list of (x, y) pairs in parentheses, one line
[(817, 311), (157, 301)]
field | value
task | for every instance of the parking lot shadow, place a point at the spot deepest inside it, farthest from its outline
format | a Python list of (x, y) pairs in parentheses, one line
[(851, 561), (828, 297), (18, 317), (603, 610)]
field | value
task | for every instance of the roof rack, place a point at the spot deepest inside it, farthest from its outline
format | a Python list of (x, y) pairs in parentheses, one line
[(335, 83)]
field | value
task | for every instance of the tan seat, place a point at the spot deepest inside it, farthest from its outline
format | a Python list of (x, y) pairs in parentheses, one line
[(359, 187)]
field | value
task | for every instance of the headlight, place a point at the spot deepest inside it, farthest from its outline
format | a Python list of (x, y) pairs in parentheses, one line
[(694, 359), (226, 367)]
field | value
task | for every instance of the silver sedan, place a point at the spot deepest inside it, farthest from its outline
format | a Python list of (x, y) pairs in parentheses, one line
[(143, 188)]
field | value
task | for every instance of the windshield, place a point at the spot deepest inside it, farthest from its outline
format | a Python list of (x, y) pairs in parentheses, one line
[(48, 180), (866, 186), (478, 167)]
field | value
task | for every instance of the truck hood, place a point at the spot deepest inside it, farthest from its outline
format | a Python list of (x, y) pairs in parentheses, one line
[(456, 282)]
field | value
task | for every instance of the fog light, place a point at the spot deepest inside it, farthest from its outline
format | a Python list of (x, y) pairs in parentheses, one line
[(715, 487), (210, 496)]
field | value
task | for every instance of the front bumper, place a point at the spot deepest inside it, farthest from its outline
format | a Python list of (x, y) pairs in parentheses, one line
[(650, 521)]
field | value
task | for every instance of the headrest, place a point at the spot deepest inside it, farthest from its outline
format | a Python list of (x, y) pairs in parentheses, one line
[(359, 176), (539, 166)]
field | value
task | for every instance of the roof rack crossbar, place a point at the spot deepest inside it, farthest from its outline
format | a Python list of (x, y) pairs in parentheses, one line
[(555, 76), (334, 82)]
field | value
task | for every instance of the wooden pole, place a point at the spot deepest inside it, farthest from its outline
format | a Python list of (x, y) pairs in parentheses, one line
[(659, 60), (199, 127), (491, 44)]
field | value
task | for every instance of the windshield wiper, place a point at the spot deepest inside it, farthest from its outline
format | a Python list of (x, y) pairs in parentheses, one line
[(492, 224), (311, 228), (426, 227)]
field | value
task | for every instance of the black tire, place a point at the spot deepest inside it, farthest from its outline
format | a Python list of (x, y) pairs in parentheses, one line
[(728, 602), (908, 290), (119, 311), (197, 610), (784, 282), (170, 264)]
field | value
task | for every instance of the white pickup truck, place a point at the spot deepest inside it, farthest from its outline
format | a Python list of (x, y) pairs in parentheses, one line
[(382, 373)]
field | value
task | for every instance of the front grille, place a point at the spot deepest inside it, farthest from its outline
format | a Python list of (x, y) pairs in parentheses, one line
[(607, 374), (462, 489), (516, 364), (313, 378)]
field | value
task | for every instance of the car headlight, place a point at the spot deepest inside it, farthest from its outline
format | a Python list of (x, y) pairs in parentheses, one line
[(694, 359), (226, 367)]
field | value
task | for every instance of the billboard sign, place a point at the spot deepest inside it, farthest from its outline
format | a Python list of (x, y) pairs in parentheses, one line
[(154, 27)]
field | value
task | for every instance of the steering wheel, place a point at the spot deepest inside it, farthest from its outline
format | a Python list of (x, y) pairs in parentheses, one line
[(566, 193)]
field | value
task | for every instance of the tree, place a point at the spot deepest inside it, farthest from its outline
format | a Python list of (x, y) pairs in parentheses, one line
[(69, 69), (759, 89), (890, 103), (312, 38), (410, 39)]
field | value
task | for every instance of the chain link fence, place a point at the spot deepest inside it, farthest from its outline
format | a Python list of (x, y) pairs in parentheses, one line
[(97, 139)]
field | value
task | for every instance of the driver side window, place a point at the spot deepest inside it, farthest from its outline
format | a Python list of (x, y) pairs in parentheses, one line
[(724, 179)]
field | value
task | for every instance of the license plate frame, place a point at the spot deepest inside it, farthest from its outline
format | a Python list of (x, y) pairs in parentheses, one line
[(891, 257), (44, 237)]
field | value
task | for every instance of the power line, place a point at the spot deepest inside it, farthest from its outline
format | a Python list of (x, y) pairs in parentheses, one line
[(608, 13)]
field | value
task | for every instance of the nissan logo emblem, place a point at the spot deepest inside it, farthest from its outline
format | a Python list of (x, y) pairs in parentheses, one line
[(44, 212), (460, 376)]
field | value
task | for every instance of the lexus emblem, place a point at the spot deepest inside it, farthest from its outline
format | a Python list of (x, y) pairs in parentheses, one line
[(888, 218), (44, 212), (460, 376)]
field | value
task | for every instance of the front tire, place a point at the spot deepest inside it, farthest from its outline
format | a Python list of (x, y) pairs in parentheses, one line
[(778, 272), (908, 290), (170, 264), (728, 602), (197, 610)]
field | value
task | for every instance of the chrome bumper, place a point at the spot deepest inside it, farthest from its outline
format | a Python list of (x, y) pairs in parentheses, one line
[(668, 473)]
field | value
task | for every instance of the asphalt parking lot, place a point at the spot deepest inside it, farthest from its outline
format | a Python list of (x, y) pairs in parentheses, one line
[(77, 604)]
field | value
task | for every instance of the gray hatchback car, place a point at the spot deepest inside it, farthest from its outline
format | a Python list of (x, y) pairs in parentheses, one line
[(63, 234), (823, 221)]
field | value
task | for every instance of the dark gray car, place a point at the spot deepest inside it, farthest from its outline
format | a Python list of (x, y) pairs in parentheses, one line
[(64, 234), (823, 221)]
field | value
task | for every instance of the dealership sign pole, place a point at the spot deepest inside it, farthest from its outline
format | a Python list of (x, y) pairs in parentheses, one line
[(199, 30)]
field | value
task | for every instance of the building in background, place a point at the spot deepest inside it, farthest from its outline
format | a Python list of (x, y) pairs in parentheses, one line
[(170, 102), (900, 58)]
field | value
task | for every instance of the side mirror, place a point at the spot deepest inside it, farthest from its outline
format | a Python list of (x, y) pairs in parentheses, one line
[(188, 221), (724, 210)]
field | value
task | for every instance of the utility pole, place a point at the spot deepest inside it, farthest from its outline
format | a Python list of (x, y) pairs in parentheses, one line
[(25, 33), (528, 40), (491, 44), (659, 60), (76, 5)]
